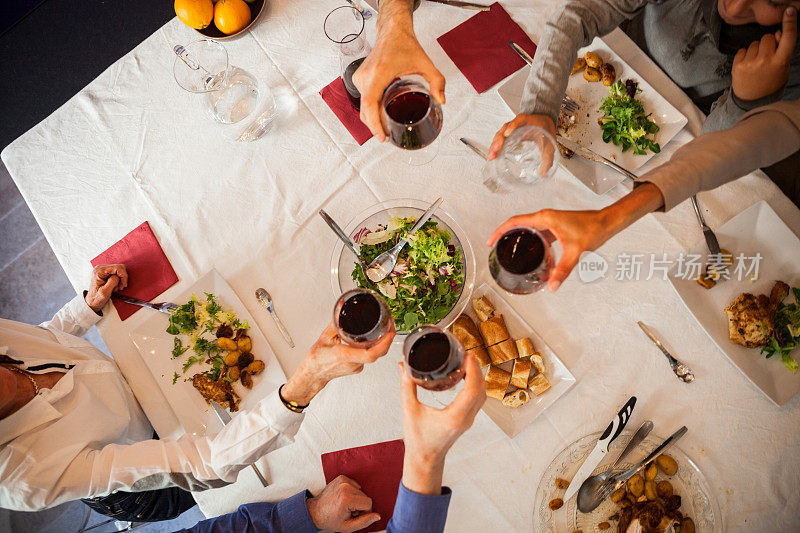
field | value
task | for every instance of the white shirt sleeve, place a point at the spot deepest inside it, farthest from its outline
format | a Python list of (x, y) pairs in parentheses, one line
[(75, 318)]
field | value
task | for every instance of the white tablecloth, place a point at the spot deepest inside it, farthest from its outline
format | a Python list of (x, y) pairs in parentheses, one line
[(133, 146)]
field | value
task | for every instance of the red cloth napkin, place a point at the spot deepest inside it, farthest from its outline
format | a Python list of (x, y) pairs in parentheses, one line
[(149, 270), (479, 47), (378, 468), (335, 95)]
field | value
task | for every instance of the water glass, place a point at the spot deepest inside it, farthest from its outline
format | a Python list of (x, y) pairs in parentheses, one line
[(528, 157)]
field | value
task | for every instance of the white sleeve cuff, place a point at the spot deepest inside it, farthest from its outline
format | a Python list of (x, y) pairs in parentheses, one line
[(75, 318)]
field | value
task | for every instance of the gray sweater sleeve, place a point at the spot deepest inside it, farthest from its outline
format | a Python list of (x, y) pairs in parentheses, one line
[(760, 138), (573, 25)]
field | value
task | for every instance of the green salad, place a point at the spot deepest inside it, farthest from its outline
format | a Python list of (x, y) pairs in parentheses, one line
[(786, 335), (426, 281), (198, 319), (624, 121)]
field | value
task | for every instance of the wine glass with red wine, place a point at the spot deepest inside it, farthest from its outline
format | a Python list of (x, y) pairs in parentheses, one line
[(521, 260), (413, 118), (362, 318), (344, 26), (434, 358)]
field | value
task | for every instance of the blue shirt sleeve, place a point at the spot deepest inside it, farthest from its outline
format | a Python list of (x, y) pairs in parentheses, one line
[(419, 513), (290, 515)]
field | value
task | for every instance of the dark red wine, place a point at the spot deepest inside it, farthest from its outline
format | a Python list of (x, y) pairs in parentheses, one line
[(430, 352), (352, 92), (520, 251), (412, 126), (359, 314)]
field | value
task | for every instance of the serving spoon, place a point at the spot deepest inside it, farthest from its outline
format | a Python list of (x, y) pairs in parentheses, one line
[(382, 266), (345, 239)]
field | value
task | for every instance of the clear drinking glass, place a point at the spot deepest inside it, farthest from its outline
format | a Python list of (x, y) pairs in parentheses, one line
[(413, 118), (521, 260), (528, 157), (232, 93), (362, 318), (344, 26), (433, 358)]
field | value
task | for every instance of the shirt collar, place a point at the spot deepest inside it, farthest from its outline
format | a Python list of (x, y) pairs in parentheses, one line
[(36, 412)]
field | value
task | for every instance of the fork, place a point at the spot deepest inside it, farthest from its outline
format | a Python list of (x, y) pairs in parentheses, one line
[(164, 307), (365, 12), (569, 104)]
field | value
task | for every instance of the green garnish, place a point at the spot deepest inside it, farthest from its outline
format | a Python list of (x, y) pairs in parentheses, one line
[(786, 335), (624, 121), (178, 348), (175, 377)]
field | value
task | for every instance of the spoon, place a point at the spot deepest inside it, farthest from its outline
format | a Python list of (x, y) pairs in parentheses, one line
[(383, 265), (345, 239), (590, 487)]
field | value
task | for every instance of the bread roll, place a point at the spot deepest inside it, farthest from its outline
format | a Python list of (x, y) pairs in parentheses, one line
[(519, 376), (537, 363), (518, 398), (497, 382), (539, 384), (505, 351), (525, 347), (481, 356), (494, 330), (483, 308), (466, 332)]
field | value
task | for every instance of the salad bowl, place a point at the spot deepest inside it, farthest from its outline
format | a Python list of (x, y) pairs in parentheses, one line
[(378, 216)]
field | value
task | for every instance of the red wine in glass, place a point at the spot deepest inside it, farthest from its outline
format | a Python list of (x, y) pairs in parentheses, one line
[(347, 77), (434, 358), (520, 261), (411, 116), (361, 317)]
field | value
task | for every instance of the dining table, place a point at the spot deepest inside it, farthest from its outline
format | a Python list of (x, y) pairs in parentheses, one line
[(132, 146)]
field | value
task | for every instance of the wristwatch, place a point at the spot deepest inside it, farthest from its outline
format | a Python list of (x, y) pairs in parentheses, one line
[(292, 406)]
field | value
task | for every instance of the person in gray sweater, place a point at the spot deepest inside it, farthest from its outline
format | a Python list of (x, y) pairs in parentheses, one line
[(715, 50)]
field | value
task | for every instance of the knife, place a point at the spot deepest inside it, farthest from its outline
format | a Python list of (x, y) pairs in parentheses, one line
[(522, 53), (474, 148), (708, 233), (266, 300), (465, 5), (601, 448), (225, 417), (592, 156), (165, 307)]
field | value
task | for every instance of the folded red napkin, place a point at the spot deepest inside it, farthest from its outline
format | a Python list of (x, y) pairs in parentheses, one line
[(479, 47), (335, 95), (149, 270), (378, 468)]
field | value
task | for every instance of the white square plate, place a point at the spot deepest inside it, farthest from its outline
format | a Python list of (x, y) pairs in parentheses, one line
[(599, 178), (511, 420), (758, 229), (155, 345)]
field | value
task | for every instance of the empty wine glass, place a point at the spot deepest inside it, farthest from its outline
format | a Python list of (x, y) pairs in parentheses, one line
[(521, 260), (433, 358), (413, 118), (344, 26), (528, 157), (362, 318)]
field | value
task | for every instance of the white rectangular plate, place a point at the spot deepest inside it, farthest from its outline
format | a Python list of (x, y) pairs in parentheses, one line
[(155, 345), (599, 178), (510, 420), (758, 229)]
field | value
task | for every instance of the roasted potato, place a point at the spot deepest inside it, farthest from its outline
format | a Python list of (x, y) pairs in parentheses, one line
[(556, 503), (579, 64), (240, 333), (706, 281), (602, 526), (232, 358), (255, 368), (234, 373), (247, 381), (618, 495), (224, 330), (592, 60), (672, 503), (244, 344), (650, 490), (226, 343), (244, 360), (592, 74), (650, 472), (687, 525), (664, 489), (636, 486), (608, 73), (667, 464), (562, 483)]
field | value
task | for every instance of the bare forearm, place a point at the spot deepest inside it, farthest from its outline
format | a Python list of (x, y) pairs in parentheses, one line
[(642, 200), (422, 476), (395, 15)]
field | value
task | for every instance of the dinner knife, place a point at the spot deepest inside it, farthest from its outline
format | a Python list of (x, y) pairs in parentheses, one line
[(522, 53), (589, 155), (165, 307), (225, 417), (265, 299), (465, 5), (708, 233), (474, 148), (683, 372), (601, 448)]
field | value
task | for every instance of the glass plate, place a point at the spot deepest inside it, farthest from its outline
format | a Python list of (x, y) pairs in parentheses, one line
[(342, 260), (697, 499)]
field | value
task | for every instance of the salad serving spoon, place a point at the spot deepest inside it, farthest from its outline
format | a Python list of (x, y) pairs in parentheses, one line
[(382, 266), (345, 239)]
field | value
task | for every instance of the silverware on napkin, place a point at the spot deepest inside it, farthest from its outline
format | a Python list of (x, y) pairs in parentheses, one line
[(683, 372), (164, 307), (589, 155), (465, 5), (225, 417), (265, 299)]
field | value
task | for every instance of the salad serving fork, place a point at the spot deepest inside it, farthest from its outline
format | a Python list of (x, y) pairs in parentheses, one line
[(345, 239)]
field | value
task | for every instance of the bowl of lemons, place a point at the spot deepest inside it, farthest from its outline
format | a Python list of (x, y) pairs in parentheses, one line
[(219, 19)]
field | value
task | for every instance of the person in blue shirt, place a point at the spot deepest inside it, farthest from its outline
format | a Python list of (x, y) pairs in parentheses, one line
[(422, 501)]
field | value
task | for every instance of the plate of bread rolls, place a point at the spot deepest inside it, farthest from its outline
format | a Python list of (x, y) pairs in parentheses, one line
[(523, 375)]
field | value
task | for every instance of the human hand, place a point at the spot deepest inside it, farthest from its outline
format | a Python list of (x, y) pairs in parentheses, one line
[(428, 433), (105, 280), (342, 507), (397, 53), (763, 68), (541, 121), (328, 359)]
